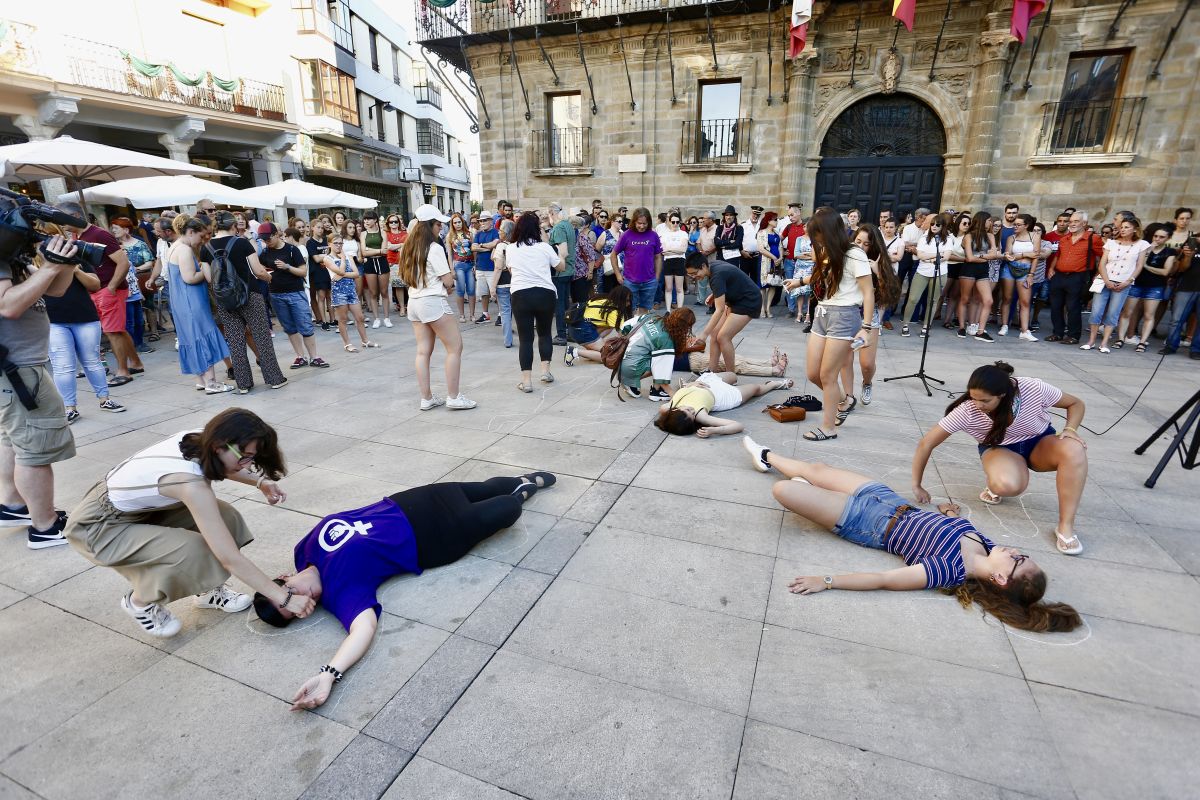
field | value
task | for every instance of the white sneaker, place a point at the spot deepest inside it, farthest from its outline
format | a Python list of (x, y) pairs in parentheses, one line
[(758, 454), (972, 329), (225, 599), (155, 620), (1026, 336), (1133, 340), (460, 403), (387, 322), (866, 394), (432, 402), (376, 323), (1003, 330)]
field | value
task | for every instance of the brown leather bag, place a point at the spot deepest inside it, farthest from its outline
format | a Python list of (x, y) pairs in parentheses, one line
[(614, 346), (782, 413)]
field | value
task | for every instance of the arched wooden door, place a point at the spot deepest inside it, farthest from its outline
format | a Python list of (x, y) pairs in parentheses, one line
[(882, 152)]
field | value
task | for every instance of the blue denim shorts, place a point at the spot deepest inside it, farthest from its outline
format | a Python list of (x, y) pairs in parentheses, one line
[(1023, 448), (343, 293), (294, 312), (1148, 292), (865, 517), (643, 293), (585, 332)]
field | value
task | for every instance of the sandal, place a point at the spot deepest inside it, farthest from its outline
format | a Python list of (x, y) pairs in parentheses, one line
[(370, 345), (845, 412), (786, 383), (539, 479), (524, 387), (989, 497), (218, 388), (1141, 348), (349, 348), (1068, 546), (120, 380), (1117, 345), (1086, 346), (818, 435)]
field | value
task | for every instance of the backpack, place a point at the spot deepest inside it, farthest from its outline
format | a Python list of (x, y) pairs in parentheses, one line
[(228, 289), (575, 313), (612, 353)]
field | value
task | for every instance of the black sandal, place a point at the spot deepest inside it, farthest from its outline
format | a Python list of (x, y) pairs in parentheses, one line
[(120, 380), (818, 435), (845, 412), (1141, 348), (1118, 344), (526, 490), (540, 479)]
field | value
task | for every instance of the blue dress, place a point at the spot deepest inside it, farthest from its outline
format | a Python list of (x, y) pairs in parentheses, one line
[(201, 344)]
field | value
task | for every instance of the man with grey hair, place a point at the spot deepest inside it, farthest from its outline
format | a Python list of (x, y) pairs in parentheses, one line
[(707, 247), (563, 239), (1069, 270)]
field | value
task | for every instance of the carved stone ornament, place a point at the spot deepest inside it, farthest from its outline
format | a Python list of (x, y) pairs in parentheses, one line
[(840, 59), (826, 91), (889, 72), (956, 83), (995, 45), (950, 51)]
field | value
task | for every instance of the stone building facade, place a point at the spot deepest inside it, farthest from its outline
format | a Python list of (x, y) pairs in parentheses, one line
[(606, 99)]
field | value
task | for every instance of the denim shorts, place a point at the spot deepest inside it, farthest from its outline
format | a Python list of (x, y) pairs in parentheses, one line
[(294, 312), (643, 293), (585, 332), (464, 278), (1023, 448), (1148, 292), (343, 293), (865, 517)]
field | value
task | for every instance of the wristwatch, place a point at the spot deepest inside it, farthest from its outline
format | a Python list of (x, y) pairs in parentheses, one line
[(828, 581)]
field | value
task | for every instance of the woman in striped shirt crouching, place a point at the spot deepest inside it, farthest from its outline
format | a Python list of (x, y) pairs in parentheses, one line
[(1010, 418)]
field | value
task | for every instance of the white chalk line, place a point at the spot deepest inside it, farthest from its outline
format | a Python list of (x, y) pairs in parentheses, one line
[(1041, 639)]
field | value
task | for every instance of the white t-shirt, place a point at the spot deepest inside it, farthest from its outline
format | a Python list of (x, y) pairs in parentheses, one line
[(661, 229), (435, 267), (750, 237), (133, 484), (161, 249), (895, 249), (531, 265), (675, 244), (1123, 258), (350, 248), (927, 253), (912, 232), (856, 266)]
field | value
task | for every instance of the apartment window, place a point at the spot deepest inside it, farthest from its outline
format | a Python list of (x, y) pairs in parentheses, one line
[(396, 66), (373, 39), (401, 121), (328, 92), (1090, 115), (718, 116), (431, 139)]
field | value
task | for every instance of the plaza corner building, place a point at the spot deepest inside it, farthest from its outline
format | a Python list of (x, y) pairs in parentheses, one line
[(330, 91), (696, 104)]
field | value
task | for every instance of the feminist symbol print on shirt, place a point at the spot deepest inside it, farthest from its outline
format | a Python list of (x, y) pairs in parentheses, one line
[(336, 532)]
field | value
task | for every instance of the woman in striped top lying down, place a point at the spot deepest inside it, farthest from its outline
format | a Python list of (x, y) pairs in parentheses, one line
[(1010, 419), (942, 552)]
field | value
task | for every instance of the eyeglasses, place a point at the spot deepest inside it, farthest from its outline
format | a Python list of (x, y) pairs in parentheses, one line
[(675, 221), (1018, 560), (241, 459)]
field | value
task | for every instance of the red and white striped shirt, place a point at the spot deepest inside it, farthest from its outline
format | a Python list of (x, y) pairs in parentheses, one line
[(1031, 413)]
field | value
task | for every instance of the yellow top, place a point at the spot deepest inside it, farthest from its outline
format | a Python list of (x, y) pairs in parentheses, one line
[(695, 397), (593, 313)]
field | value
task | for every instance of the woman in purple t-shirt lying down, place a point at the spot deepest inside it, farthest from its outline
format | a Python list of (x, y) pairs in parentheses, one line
[(343, 560), (941, 551)]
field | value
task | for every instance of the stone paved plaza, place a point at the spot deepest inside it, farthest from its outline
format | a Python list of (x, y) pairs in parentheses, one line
[(632, 636)]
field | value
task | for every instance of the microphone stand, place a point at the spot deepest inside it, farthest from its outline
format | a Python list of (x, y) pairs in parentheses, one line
[(931, 292)]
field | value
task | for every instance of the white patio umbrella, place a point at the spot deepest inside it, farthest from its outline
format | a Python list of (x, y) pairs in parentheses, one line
[(161, 191), (301, 194)]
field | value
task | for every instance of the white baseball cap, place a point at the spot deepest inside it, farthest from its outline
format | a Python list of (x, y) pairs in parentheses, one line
[(428, 213)]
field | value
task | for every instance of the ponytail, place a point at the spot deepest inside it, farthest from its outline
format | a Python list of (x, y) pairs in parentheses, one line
[(997, 380)]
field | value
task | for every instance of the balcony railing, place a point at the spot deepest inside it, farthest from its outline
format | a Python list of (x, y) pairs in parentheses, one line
[(1082, 127), (71, 60), (561, 147), (428, 93), (310, 19), (482, 16), (716, 141)]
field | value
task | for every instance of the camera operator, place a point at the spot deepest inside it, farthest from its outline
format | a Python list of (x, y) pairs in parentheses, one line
[(111, 298), (32, 439)]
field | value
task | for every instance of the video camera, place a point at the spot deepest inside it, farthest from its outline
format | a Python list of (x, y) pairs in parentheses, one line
[(19, 238)]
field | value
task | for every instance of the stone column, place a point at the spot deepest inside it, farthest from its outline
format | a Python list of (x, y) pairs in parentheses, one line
[(798, 129), (984, 123), (179, 139), (55, 112), (272, 155)]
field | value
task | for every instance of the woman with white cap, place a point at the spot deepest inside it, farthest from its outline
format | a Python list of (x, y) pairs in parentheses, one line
[(426, 271)]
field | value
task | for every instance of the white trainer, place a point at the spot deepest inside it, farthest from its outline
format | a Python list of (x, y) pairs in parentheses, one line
[(433, 402), (376, 323), (460, 403), (154, 619), (225, 599), (1026, 336), (972, 329), (758, 454), (387, 322), (1003, 330)]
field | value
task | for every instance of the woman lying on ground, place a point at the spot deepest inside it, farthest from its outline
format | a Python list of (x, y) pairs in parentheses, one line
[(142, 520), (692, 357), (691, 407), (342, 562), (601, 315), (1010, 418), (942, 552)]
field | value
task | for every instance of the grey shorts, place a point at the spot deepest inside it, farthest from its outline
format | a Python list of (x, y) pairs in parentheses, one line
[(428, 309), (837, 322), (40, 436)]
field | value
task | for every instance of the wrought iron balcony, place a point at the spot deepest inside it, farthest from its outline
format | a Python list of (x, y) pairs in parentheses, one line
[(428, 93), (1083, 127), (557, 148), (716, 142)]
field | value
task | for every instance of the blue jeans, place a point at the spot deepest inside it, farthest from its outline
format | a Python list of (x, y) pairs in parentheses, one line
[(135, 321), (70, 341), (562, 287), (294, 313), (789, 271), (504, 298), (1182, 307), (1106, 309), (866, 513), (464, 279), (643, 293)]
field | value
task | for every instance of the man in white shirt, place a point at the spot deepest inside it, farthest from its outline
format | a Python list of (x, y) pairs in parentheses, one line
[(750, 256)]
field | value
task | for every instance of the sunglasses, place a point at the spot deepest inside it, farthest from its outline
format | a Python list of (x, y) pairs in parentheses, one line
[(393, 222), (241, 459), (675, 221), (1018, 560)]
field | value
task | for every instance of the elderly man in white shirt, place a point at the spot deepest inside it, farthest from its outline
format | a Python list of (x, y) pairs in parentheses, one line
[(750, 256)]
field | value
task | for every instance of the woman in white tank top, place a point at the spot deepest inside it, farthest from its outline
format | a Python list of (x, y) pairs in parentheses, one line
[(156, 520)]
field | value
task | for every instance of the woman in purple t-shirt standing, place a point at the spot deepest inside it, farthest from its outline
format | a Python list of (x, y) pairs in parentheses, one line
[(1010, 418), (642, 266)]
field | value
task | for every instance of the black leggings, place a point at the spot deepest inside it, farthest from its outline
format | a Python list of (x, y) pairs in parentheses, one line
[(530, 307), (448, 519)]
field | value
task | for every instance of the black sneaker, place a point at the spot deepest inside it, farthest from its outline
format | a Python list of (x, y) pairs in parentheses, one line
[(808, 328), (1166, 351), (633, 391), (962, 333), (73, 415), (658, 394), (984, 336), (559, 341), (108, 405), (14, 517), (53, 537)]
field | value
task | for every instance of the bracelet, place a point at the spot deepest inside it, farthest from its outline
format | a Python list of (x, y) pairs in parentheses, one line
[(258, 483), (1072, 430), (288, 599), (334, 671)]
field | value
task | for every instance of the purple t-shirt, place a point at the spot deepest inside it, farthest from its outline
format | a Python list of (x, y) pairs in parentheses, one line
[(355, 551), (640, 250)]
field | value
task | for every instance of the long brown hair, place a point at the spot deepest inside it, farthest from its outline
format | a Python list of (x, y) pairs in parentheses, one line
[(980, 232), (239, 427), (415, 254), (945, 223), (883, 278), (997, 380), (678, 325), (1018, 604), (619, 301), (830, 244)]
